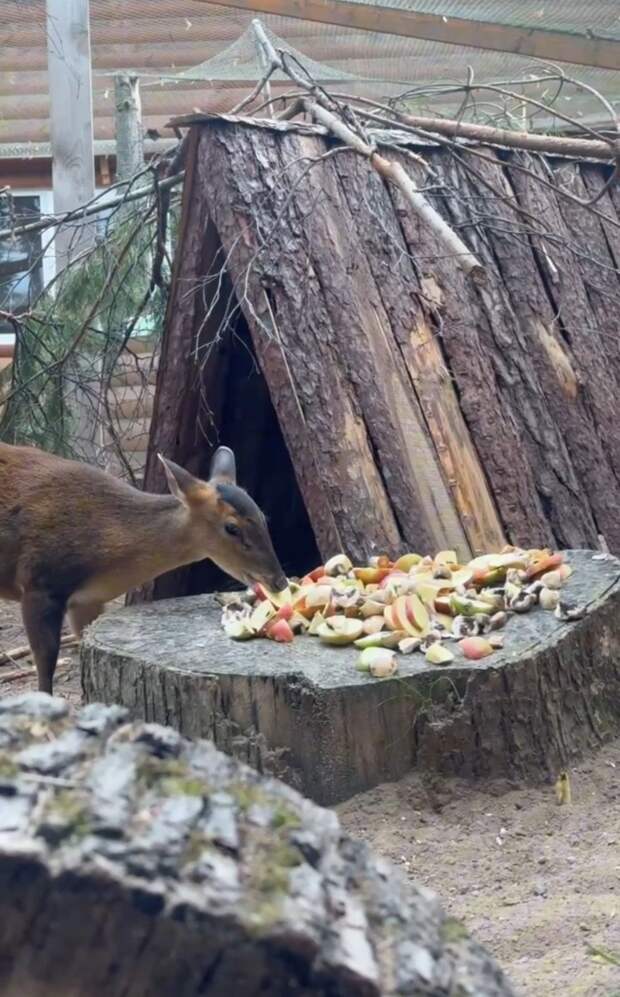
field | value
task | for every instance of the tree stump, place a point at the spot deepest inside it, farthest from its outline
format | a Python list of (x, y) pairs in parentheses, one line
[(134, 863), (302, 711)]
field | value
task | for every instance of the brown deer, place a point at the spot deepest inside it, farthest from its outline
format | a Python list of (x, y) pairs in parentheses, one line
[(73, 537)]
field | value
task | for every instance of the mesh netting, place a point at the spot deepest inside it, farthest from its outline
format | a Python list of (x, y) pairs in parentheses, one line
[(382, 65), (191, 54), (243, 61)]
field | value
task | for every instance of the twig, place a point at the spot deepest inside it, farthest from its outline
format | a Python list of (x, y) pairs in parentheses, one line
[(15, 653), (398, 176), (21, 673), (322, 109), (50, 221), (549, 144)]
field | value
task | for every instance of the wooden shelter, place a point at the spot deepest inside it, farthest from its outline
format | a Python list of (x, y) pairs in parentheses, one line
[(379, 398)]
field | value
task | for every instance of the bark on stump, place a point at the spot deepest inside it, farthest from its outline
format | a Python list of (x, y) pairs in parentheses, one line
[(133, 863), (304, 713)]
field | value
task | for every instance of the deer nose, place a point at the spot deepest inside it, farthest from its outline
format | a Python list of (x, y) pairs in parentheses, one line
[(278, 581)]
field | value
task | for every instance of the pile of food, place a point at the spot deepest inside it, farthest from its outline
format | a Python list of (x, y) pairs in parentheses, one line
[(413, 604)]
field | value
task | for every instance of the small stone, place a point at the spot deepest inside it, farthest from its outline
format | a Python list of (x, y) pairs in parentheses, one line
[(35, 704), (96, 718), (309, 845), (15, 813), (221, 823), (162, 741), (52, 757)]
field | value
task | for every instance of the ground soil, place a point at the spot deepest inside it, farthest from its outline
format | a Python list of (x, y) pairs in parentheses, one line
[(538, 884)]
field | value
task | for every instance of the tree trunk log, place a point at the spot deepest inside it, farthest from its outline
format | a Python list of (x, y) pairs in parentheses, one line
[(133, 863), (301, 711), (352, 420)]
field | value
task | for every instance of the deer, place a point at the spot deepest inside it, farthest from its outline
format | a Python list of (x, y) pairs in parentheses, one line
[(74, 537)]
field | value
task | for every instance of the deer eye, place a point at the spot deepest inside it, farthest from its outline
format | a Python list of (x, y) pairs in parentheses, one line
[(232, 529)]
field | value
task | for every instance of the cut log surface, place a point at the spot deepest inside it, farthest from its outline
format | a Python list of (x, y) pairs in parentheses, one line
[(302, 711), (136, 863)]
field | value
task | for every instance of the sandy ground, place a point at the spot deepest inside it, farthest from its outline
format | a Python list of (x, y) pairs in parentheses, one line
[(536, 883)]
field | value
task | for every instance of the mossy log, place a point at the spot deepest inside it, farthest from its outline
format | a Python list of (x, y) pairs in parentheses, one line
[(302, 711), (134, 862)]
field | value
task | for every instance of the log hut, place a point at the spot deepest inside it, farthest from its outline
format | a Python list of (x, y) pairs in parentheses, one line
[(378, 397)]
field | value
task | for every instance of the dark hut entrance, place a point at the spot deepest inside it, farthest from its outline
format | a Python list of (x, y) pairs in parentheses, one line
[(227, 401), (250, 426)]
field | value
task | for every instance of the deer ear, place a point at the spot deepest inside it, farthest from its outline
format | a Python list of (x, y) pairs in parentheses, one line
[(180, 482), (223, 465)]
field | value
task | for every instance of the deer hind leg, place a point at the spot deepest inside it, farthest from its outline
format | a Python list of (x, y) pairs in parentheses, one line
[(42, 613), (81, 615)]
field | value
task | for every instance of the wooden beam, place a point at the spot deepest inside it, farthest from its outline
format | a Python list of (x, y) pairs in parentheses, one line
[(551, 46), (71, 117)]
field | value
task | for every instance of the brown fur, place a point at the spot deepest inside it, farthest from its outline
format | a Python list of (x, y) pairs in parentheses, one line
[(73, 537)]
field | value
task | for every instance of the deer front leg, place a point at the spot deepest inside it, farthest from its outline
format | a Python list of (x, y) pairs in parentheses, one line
[(81, 615), (42, 613)]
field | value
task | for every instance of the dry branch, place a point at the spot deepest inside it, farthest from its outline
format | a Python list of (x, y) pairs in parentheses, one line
[(15, 653), (323, 109), (552, 145), (51, 221), (396, 173)]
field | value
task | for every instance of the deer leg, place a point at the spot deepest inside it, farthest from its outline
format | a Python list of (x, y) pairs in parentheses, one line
[(81, 615), (43, 614)]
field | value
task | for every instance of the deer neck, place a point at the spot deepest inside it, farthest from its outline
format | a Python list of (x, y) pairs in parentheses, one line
[(173, 538)]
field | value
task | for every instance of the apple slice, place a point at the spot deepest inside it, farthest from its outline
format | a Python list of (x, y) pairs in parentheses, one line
[(445, 558), (379, 561), (371, 576), (462, 605), (407, 562), (339, 564), (390, 621), (385, 638), (425, 583), (438, 655), (411, 612), (475, 648), (261, 615), (446, 621), (441, 604), (373, 624), (339, 630), (565, 571), (372, 608), (299, 624), (239, 630), (515, 559), (545, 564), (280, 630), (315, 624), (317, 596), (277, 598), (393, 576), (378, 662)]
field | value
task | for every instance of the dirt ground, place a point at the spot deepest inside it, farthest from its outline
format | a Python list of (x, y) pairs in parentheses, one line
[(536, 883)]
